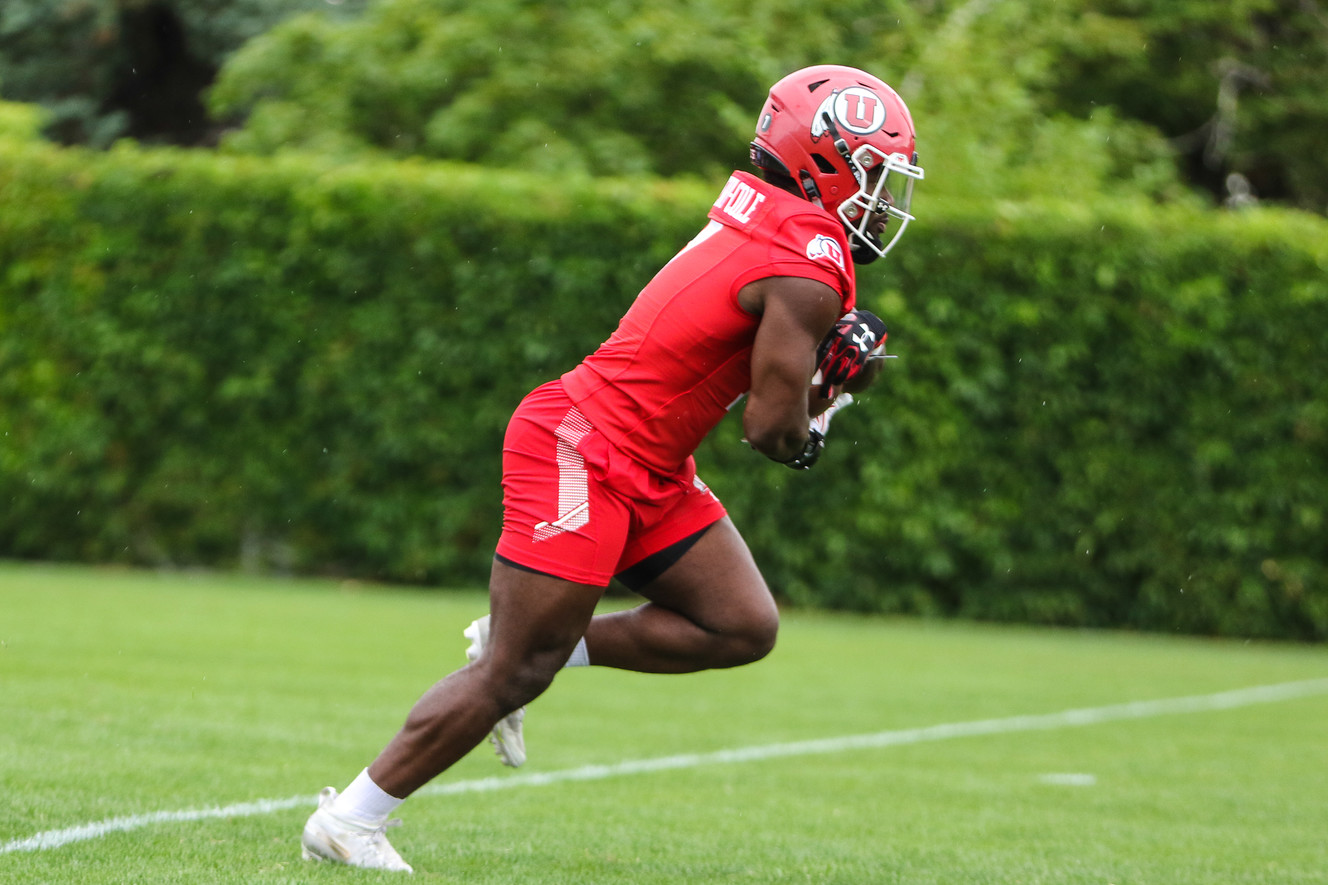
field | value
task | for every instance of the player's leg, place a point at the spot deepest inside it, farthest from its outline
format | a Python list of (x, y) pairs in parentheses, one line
[(711, 608), (536, 621)]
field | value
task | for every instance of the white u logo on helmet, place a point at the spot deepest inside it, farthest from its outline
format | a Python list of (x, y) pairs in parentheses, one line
[(856, 109)]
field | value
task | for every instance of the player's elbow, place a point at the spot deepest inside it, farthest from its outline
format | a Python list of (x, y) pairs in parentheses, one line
[(777, 441)]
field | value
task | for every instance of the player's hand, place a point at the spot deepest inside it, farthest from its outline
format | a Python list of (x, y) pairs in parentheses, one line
[(811, 451), (821, 423), (819, 426), (857, 337)]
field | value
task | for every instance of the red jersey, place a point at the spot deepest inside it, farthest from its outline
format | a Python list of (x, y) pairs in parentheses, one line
[(681, 356)]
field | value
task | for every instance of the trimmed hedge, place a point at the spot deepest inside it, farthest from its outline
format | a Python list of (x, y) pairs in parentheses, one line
[(1102, 416), (1105, 417)]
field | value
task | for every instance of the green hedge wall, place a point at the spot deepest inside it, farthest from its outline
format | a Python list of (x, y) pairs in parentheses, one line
[(1106, 417), (1102, 416)]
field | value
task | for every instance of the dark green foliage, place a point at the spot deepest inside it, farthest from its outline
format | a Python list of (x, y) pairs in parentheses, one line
[(1237, 85), (575, 87), (1109, 415), (1105, 418), (297, 363), (111, 68), (1006, 95)]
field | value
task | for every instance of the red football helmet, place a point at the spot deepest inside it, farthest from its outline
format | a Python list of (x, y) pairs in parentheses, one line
[(846, 139)]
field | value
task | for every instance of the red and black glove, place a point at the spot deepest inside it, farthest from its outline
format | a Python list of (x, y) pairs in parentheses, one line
[(857, 337), (818, 427)]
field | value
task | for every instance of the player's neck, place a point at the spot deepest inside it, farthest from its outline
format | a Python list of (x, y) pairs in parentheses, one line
[(783, 182)]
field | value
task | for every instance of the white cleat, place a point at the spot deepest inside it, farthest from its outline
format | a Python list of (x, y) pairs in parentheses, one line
[(506, 736), (328, 836)]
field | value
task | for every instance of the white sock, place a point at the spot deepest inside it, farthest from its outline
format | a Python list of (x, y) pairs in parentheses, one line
[(580, 657), (365, 800)]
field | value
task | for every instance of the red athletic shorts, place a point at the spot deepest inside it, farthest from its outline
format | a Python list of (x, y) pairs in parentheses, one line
[(577, 508)]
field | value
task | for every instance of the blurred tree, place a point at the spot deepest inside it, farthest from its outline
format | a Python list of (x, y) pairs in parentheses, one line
[(634, 87), (22, 121), (1061, 93), (110, 68), (1012, 99), (982, 90), (1238, 86), (604, 88)]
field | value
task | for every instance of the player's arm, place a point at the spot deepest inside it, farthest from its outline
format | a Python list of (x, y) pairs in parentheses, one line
[(796, 313)]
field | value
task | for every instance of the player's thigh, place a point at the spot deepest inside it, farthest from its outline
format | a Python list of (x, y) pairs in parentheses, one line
[(536, 619), (717, 585)]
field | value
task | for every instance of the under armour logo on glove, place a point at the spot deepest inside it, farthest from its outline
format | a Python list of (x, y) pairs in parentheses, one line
[(857, 337)]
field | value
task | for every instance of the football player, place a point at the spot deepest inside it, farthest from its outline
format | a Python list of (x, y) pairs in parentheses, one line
[(598, 477)]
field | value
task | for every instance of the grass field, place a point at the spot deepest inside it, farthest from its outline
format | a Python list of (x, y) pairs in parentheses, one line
[(126, 694)]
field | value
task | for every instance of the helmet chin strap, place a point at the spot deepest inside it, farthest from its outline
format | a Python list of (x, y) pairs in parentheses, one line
[(809, 188), (862, 255)]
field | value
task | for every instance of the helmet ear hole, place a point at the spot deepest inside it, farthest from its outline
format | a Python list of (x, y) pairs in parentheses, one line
[(826, 167)]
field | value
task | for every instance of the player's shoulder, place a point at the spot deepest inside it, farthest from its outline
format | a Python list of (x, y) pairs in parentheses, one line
[(748, 202), (814, 235), (795, 231)]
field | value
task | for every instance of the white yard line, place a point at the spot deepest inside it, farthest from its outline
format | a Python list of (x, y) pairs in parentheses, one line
[(1226, 700)]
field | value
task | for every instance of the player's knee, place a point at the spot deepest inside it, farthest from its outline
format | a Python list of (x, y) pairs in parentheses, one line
[(764, 635), (753, 640), (520, 684)]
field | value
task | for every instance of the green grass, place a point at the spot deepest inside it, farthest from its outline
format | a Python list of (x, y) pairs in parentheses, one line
[(126, 693)]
